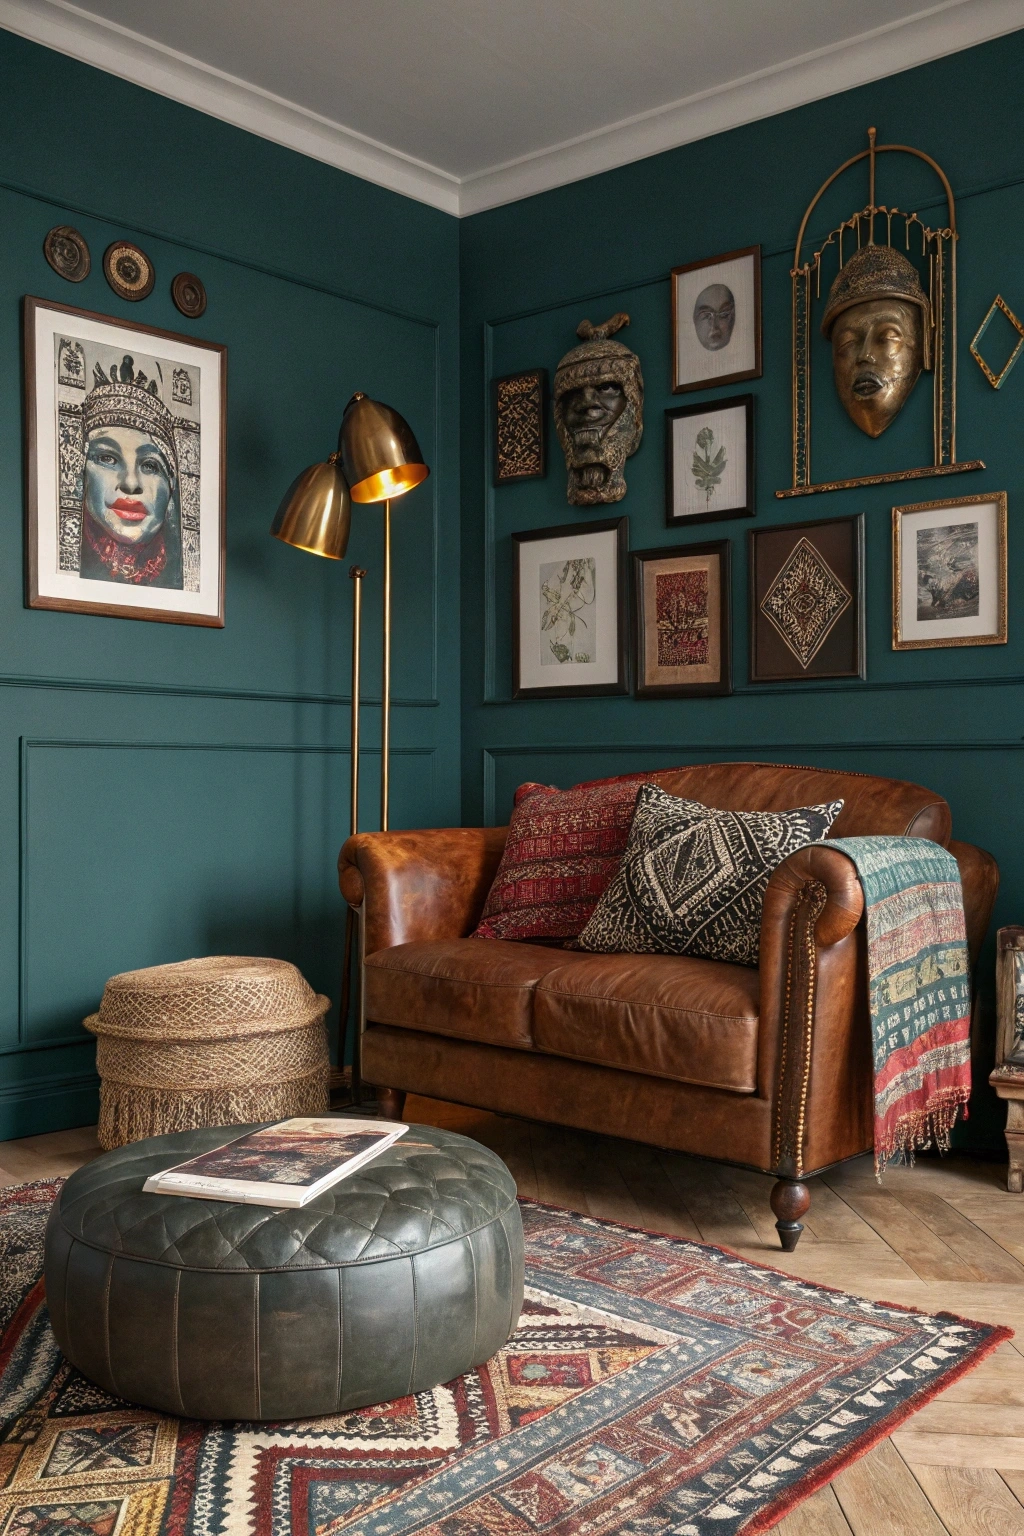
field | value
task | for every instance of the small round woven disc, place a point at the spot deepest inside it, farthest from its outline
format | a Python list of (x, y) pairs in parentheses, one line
[(66, 251), (128, 270), (189, 294)]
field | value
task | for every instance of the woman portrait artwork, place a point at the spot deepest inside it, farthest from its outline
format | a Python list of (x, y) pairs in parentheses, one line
[(125, 492)]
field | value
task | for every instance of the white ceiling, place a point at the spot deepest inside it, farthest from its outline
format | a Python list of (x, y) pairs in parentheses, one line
[(470, 103)]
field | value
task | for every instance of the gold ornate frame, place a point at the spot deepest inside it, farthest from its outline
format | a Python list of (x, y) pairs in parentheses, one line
[(939, 245), (997, 380), (999, 638)]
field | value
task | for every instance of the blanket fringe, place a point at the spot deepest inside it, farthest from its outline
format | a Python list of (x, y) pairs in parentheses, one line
[(917, 1131)]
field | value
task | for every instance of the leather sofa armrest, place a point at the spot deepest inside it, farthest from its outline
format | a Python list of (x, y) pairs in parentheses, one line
[(419, 885), (979, 874)]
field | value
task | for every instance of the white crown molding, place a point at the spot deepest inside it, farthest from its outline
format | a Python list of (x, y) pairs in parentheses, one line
[(900, 45), (119, 51), (929, 34)]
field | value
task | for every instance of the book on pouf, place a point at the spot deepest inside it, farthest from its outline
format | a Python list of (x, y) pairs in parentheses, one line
[(287, 1164)]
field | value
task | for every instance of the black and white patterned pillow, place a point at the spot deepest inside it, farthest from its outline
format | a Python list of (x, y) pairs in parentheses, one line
[(692, 879)]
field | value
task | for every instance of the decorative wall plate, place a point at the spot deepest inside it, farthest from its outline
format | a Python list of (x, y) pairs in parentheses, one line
[(189, 295), (66, 251), (128, 270)]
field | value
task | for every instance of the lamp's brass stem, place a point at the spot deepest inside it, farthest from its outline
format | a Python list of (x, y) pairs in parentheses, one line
[(385, 706), (357, 573)]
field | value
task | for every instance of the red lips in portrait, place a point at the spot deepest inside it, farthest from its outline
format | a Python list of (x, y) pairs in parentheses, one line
[(129, 511)]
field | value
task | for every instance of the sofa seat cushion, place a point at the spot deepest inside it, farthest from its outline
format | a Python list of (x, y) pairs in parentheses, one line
[(674, 1016), (463, 987)]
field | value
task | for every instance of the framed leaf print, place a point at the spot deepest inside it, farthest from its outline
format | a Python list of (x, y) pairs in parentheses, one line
[(709, 467), (683, 628), (569, 610)]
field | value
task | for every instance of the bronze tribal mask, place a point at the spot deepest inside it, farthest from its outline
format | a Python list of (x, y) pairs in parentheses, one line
[(878, 320), (599, 412)]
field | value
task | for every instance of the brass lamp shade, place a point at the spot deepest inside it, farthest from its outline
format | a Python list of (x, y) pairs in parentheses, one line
[(379, 453), (316, 513)]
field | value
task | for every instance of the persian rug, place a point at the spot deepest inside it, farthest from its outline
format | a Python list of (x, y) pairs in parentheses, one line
[(654, 1387), (919, 990)]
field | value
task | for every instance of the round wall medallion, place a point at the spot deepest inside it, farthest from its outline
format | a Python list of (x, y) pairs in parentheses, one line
[(189, 294), (67, 253), (128, 270)]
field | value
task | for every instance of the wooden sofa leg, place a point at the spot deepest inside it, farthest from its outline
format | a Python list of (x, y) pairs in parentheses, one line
[(391, 1102), (790, 1199)]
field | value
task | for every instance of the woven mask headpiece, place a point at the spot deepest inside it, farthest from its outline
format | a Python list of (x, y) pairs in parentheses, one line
[(595, 455), (878, 272), (126, 399)]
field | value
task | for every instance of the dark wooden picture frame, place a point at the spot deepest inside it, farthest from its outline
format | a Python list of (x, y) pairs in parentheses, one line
[(673, 468), (34, 512), (711, 381), (505, 452), (829, 634), (721, 631), (619, 653)]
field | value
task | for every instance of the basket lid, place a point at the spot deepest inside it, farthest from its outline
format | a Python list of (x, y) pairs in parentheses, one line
[(210, 998)]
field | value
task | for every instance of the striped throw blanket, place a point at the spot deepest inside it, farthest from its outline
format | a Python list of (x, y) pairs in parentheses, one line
[(920, 990)]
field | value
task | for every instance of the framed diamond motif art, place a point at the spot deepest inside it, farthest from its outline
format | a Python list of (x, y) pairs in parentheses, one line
[(806, 601)]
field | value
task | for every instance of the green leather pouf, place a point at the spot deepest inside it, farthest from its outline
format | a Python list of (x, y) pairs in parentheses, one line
[(404, 1275)]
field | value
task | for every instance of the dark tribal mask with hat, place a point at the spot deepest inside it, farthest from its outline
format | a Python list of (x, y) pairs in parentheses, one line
[(599, 412), (879, 321)]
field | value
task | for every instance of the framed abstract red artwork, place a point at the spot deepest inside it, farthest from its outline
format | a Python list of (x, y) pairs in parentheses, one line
[(682, 620)]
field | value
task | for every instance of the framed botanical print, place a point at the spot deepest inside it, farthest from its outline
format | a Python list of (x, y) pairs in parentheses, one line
[(520, 406), (949, 572), (125, 468), (709, 466), (681, 607), (569, 610), (716, 320), (807, 600)]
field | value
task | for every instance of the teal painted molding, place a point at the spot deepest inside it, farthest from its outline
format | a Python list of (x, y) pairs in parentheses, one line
[(51, 1103)]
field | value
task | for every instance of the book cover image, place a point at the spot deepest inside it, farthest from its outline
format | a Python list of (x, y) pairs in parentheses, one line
[(297, 1151)]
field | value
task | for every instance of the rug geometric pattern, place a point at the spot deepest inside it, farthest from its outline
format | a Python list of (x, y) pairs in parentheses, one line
[(654, 1387)]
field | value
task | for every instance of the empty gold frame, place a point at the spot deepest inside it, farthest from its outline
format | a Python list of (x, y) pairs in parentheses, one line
[(997, 380), (939, 246)]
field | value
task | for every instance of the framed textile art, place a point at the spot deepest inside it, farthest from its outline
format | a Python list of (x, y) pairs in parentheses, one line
[(807, 600), (683, 628), (520, 403), (709, 461), (949, 573), (716, 320), (569, 610), (125, 468)]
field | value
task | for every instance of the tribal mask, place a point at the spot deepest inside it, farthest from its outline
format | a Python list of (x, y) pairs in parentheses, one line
[(599, 412)]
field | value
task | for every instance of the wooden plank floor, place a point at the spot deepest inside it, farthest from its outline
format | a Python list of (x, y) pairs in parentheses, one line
[(943, 1236)]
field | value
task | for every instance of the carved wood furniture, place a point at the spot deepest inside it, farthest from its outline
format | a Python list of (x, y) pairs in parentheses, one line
[(1008, 1077), (769, 1068)]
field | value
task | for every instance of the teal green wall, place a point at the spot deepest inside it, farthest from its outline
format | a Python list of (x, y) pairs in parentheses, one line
[(946, 718), (166, 790)]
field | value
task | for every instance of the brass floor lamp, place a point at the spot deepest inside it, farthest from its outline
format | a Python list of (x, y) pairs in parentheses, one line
[(377, 460)]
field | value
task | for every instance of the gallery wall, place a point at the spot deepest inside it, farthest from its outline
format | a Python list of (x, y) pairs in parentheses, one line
[(166, 790), (947, 718)]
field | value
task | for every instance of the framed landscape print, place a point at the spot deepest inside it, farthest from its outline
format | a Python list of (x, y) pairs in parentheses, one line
[(681, 605), (716, 320), (125, 460), (709, 467), (569, 610), (520, 405), (949, 572), (807, 600)]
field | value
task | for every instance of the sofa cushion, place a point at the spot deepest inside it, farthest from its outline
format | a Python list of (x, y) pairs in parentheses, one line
[(665, 1015), (692, 880), (459, 987), (563, 847)]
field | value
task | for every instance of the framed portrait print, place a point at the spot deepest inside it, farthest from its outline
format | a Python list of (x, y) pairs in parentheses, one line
[(949, 572), (716, 320), (709, 466), (569, 610), (807, 600), (125, 458), (520, 405), (681, 607)]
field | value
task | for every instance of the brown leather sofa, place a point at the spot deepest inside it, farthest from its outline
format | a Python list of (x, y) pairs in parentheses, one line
[(767, 1068)]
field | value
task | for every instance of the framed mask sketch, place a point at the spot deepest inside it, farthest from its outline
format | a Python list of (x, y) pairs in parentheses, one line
[(807, 600), (125, 470), (716, 320), (709, 461), (569, 610), (949, 573), (683, 627)]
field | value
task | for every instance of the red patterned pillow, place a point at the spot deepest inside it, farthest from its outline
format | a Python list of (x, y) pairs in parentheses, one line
[(564, 846)]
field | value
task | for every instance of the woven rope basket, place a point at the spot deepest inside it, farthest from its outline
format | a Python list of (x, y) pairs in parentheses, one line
[(221, 1041)]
